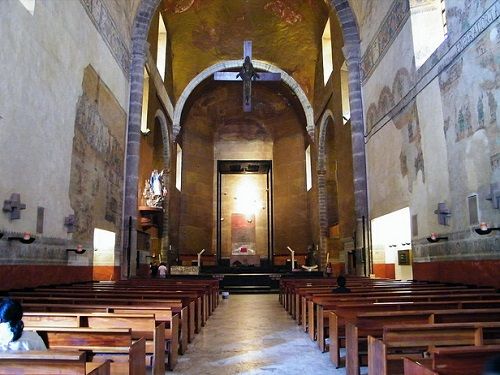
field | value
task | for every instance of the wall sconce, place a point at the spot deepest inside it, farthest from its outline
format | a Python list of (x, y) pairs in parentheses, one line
[(484, 229), (25, 238), (79, 250), (435, 238)]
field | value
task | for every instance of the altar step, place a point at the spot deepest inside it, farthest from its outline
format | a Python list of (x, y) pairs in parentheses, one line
[(249, 282)]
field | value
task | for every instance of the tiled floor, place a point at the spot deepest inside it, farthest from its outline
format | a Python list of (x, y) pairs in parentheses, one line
[(252, 334)]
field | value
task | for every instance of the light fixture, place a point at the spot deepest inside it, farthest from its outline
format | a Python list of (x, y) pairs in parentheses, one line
[(79, 250), (25, 238), (484, 229), (436, 238)]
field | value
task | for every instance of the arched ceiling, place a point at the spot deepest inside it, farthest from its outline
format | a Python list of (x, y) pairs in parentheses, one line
[(286, 33)]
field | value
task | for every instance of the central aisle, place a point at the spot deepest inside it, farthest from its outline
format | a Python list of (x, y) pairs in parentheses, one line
[(253, 334)]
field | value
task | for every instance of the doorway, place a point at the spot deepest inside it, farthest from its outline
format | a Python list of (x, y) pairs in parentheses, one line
[(244, 210), (391, 242)]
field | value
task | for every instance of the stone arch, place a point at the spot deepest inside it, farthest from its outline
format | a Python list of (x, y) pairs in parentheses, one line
[(140, 31), (322, 190), (258, 64), (162, 121), (352, 56), (140, 28)]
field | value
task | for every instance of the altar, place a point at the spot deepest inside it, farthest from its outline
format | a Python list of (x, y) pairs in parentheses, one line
[(245, 260)]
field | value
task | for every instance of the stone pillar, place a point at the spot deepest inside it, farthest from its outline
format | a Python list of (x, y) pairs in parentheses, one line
[(132, 157), (323, 216), (351, 53)]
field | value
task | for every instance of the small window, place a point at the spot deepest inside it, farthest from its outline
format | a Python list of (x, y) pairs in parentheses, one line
[(327, 52), (178, 172), (29, 5), (308, 169), (161, 50), (344, 85), (429, 28), (145, 101)]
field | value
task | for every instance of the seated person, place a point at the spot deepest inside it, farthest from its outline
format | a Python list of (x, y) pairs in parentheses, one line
[(12, 334), (341, 288)]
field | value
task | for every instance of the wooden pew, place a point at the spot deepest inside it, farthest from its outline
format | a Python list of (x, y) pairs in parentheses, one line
[(302, 295), (192, 300), (50, 362), (386, 356), (186, 322), (373, 324), (337, 322), (141, 326), (455, 360), (199, 294), (115, 344), (328, 303)]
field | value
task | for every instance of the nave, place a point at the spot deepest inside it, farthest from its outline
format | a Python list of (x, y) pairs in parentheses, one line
[(253, 334)]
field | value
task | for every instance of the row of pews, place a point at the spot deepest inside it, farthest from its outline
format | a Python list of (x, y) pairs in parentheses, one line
[(116, 327), (398, 327)]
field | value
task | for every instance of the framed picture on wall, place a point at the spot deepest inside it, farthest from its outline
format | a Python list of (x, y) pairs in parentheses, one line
[(404, 257)]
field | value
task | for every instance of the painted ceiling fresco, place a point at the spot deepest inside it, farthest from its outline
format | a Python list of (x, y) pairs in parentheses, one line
[(286, 33)]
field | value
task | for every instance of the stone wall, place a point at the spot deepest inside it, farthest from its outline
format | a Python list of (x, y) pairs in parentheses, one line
[(432, 133), (40, 100)]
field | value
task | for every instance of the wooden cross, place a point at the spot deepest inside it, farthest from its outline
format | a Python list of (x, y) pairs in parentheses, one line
[(247, 74)]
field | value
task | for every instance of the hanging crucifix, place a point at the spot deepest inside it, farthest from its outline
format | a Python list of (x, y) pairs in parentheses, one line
[(247, 74)]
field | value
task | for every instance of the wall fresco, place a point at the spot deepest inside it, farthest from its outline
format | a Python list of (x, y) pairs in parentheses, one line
[(97, 160), (105, 25), (387, 32)]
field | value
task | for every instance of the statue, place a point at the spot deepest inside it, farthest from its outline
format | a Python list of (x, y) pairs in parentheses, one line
[(247, 74), (154, 191)]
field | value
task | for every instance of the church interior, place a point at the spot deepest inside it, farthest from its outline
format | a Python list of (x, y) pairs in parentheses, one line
[(250, 142)]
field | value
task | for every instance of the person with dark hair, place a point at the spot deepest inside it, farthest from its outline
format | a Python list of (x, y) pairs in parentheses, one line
[(341, 288), (13, 337), (492, 366)]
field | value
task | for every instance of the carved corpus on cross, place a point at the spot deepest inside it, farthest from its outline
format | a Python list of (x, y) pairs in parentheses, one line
[(247, 74)]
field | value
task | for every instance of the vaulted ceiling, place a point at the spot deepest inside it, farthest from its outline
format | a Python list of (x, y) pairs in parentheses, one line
[(286, 33)]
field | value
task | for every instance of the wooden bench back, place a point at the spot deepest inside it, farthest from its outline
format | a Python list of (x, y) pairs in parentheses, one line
[(49, 362)]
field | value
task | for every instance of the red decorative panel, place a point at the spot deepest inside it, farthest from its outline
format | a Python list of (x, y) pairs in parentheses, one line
[(106, 273), (27, 276), (477, 272), (386, 270), (24, 276)]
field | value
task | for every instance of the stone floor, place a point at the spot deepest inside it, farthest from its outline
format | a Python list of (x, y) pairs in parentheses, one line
[(253, 334)]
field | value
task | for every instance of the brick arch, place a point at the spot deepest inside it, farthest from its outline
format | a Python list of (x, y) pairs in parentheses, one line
[(140, 30), (259, 64)]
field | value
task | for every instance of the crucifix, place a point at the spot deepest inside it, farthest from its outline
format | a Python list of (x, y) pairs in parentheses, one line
[(247, 74)]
